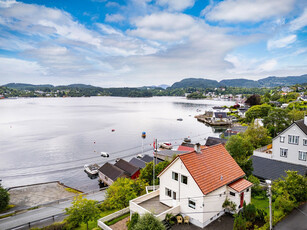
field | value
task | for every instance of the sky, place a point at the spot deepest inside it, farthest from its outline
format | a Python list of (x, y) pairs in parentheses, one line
[(127, 43)]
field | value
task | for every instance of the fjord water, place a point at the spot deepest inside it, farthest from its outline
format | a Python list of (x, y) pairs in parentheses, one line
[(50, 139)]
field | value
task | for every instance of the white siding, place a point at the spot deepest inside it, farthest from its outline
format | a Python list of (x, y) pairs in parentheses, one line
[(183, 191), (293, 149)]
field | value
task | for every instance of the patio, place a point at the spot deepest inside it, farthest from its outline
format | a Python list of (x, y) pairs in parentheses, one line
[(154, 205)]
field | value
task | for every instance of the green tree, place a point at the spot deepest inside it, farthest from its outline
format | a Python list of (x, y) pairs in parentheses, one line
[(255, 99), (241, 149), (123, 190), (284, 203), (276, 121), (82, 211), (257, 135), (134, 219), (256, 189), (4, 198), (296, 115), (147, 172), (148, 222), (294, 184), (257, 111), (239, 223)]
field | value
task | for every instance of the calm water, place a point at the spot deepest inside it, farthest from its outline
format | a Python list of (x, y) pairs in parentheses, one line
[(48, 139)]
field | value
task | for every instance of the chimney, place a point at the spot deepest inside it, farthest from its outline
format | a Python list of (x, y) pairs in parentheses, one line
[(197, 148), (305, 120)]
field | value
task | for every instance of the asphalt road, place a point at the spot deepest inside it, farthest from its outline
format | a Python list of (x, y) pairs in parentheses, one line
[(297, 220), (44, 212)]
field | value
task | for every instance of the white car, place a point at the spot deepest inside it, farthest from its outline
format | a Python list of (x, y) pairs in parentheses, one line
[(104, 154)]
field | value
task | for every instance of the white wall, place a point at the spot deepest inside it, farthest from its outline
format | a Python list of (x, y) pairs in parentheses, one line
[(183, 191), (105, 179), (236, 199), (293, 149)]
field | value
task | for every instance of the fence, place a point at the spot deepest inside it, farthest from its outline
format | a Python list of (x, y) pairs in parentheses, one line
[(112, 216)]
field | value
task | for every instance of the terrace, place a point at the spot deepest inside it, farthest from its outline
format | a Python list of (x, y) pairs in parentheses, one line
[(150, 203), (265, 152)]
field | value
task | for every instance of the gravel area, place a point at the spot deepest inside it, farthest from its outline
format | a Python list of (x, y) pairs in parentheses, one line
[(120, 225), (32, 195)]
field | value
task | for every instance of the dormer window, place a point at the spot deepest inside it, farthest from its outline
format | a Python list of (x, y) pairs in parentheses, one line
[(293, 139), (282, 139)]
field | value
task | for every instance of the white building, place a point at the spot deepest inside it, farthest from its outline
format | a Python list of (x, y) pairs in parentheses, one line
[(196, 184), (289, 146)]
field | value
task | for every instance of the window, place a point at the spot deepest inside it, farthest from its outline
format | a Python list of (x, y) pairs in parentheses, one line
[(184, 179), (192, 204), (168, 192), (304, 141), (302, 155), (282, 139), (174, 196), (283, 152), (247, 190), (293, 139), (232, 193), (175, 176)]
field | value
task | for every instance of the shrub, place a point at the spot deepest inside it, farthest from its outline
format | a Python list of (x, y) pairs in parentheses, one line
[(249, 212), (229, 205), (148, 222), (4, 198), (239, 223), (284, 203), (133, 221)]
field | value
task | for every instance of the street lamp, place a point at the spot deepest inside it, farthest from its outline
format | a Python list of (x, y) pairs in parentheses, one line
[(269, 183)]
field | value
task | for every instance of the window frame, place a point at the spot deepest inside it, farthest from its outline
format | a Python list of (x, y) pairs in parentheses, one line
[(174, 195), (305, 142), (182, 181), (293, 139), (284, 151), (168, 192), (174, 176), (190, 201), (282, 139), (303, 153), (232, 193)]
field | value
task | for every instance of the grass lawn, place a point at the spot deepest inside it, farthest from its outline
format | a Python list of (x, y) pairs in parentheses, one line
[(93, 224), (261, 203)]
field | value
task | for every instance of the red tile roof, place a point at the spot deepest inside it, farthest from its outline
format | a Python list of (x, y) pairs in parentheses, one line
[(212, 168), (185, 148), (240, 185)]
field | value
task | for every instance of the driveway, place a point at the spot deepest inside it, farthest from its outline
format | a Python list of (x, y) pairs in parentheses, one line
[(297, 219), (42, 213)]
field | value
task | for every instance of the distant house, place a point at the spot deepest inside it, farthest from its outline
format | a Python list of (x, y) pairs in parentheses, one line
[(214, 141), (234, 131), (289, 147), (109, 173), (137, 162), (132, 171), (242, 111), (148, 159), (196, 184)]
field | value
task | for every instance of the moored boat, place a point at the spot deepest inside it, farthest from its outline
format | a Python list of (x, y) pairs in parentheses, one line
[(91, 168)]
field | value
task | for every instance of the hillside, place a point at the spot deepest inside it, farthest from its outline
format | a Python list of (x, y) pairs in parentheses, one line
[(196, 83), (245, 83)]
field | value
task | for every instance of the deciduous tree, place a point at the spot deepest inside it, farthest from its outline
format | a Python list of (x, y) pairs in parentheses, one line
[(4, 198)]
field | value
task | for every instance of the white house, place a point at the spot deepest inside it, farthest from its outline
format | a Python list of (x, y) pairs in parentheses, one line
[(289, 146), (196, 184)]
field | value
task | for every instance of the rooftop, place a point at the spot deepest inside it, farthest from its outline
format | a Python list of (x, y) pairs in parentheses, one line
[(127, 167), (111, 171), (240, 185), (154, 205)]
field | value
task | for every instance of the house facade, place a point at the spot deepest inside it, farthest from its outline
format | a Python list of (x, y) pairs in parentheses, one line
[(289, 146), (198, 183)]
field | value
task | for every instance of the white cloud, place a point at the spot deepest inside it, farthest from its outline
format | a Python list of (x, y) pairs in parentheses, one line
[(299, 22), (281, 42), (176, 5), (114, 18), (267, 66), (248, 10), (6, 3)]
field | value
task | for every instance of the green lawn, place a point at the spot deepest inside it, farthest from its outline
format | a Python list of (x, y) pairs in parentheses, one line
[(93, 224), (261, 203)]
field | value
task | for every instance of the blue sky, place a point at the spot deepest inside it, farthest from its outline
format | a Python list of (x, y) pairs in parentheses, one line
[(150, 42)]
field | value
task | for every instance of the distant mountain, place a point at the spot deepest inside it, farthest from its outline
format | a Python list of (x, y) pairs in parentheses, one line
[(281, 81), (241, 83), (22, 86), (163, 86), (196, 83)]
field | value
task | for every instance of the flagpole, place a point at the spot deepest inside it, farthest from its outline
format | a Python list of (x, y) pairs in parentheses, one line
[(153, 168)]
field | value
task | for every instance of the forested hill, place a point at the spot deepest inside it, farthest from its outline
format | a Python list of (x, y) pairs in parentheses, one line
[(244, 83)]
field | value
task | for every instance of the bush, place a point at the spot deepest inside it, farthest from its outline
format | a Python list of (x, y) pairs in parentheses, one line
[(4, 198), (249, 212), (133, 221), (284, 203), (148, 222), (239, 223), (229, 205)]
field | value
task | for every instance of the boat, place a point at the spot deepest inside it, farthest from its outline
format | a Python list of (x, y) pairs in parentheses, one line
[(140, 155), (91, 168), (179, 119), (187, 140), (166, 145), (104, 154)]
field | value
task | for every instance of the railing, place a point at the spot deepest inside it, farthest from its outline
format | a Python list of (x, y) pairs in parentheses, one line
[(265, 151), (152, 187), (112, 216), (174, 210)]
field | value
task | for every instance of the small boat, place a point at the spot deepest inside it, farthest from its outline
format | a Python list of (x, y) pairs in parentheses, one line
[(179, 119), (104, 154), (140, 155), (113, 130), (188, 140), (166, 145), (91, 169)]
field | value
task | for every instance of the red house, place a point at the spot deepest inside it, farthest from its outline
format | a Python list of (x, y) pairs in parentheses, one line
[(129, 168)]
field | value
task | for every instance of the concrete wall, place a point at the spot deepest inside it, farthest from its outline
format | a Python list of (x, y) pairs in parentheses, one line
[(293, 149), (183, 192), (112, 216)]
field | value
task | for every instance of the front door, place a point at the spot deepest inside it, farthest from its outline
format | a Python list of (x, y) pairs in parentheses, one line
[(241, 199)]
